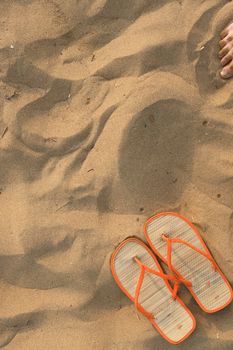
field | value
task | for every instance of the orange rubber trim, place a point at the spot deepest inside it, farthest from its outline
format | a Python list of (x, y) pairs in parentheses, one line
[(207, 252), (140, 308)]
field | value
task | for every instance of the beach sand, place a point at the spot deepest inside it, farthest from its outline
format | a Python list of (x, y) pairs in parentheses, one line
[(111, 111)]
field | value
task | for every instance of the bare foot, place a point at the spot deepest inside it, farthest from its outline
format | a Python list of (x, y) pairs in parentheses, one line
[(226, 52)]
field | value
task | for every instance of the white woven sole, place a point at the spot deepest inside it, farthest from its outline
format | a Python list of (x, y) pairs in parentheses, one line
[(210, 288), (171, 317)]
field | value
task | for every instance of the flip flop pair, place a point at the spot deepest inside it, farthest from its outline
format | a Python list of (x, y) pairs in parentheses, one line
[(177, 242)]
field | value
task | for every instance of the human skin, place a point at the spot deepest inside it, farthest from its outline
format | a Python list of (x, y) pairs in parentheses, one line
[(226, 52)]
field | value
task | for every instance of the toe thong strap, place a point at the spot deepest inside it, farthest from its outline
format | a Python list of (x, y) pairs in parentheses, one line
[(169, 241), (164, 276)]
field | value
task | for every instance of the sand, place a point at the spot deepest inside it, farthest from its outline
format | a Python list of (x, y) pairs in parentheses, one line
[(111, 111)]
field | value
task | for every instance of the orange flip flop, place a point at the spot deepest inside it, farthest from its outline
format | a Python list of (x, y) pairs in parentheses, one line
[(140, 276), (179, 244)]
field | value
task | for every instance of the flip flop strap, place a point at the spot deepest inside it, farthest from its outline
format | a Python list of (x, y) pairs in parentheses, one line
[(181, 241), (144, 269)]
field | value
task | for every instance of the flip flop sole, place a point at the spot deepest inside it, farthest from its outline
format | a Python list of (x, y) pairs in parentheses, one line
[(210, 288), (172, 318)]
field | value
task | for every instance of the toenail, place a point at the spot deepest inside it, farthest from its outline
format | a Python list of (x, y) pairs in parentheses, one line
[(223, 73)]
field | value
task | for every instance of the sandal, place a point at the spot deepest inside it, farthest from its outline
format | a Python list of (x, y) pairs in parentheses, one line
[(179, 244), (140, 276)]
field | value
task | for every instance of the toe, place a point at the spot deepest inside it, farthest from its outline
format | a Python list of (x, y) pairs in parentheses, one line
[(224, 51), (229, 37), (224, 33), (226, 59), (223, 42), (227, 71)]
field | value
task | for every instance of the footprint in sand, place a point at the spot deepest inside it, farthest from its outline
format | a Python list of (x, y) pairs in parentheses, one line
[(7, 334), (157, 146), (9, 327), (62, 120)]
